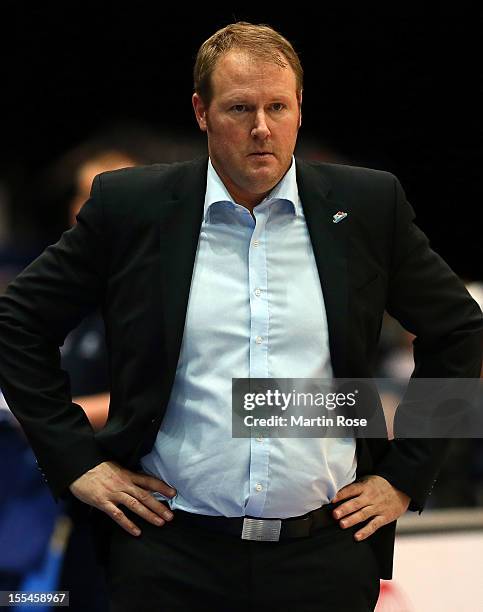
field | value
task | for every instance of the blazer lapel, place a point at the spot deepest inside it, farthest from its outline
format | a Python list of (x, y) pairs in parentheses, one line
[(180, 223), (329, 242)]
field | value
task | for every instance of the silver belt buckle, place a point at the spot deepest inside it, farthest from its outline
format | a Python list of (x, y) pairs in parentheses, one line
[(262, 530)]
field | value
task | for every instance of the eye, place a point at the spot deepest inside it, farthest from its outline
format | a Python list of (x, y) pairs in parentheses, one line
[(278, 106), (238, 108)]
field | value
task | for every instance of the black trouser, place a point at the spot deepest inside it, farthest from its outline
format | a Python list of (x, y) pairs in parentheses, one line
[(180, 568)]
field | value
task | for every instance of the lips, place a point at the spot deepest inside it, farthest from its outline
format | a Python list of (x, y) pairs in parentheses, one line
[(261, 153)]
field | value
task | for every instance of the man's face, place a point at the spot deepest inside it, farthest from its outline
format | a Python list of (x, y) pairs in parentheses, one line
[(252, 124)]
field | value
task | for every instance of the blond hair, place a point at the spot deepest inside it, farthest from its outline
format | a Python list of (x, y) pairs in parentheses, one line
[(260, 41)]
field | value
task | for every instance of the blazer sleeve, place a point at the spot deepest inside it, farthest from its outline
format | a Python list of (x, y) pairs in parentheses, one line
[(430, 301), (38, 309)]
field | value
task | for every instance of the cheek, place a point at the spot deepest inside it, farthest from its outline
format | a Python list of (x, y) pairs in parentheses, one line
[(290, 138), (232, 148), (228, 137)]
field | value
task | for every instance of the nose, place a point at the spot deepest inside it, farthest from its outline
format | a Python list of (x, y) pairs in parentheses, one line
[(260, 129)]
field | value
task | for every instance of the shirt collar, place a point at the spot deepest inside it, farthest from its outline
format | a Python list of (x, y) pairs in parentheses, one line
[(285, 189)]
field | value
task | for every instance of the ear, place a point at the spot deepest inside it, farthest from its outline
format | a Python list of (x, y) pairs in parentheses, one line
[(200, 111), (300, 108)]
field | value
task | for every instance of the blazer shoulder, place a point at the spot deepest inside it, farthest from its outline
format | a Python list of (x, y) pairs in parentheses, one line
[(367, 190), (135, 196), (136, 180), (342, 174)]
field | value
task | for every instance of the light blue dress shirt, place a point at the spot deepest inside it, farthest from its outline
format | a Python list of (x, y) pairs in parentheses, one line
[(255, 310)]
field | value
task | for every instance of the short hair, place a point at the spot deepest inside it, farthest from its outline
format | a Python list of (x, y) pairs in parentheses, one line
[(261, 41)]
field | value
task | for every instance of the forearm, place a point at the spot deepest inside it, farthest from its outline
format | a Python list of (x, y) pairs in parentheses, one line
[(96, 408)]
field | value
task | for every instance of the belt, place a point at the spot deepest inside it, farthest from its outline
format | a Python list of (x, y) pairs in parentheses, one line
[(261, 529)]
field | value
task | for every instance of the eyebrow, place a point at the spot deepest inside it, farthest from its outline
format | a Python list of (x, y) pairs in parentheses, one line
[(245, 98)]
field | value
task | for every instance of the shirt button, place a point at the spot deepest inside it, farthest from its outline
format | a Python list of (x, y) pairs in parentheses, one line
[(258, 339), (256, 243), (258, 292), (258, 487)]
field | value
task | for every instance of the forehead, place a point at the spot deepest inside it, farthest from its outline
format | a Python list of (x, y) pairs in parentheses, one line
[(241, 72)]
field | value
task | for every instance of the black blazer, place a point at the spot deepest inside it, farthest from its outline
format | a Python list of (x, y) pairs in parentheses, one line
[(132, 252)]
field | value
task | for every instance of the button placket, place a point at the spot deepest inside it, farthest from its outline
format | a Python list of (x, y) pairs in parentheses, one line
[(258, 366)]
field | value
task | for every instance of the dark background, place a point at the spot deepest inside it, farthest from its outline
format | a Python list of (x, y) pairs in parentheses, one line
[(395, 90)]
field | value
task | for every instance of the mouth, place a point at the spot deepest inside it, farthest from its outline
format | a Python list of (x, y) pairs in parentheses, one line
[(261, 154)]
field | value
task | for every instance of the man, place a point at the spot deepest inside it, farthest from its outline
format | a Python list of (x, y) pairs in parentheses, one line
[(234, 267)]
